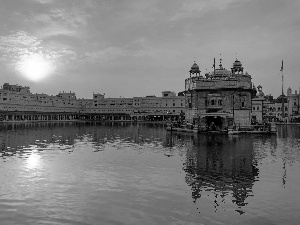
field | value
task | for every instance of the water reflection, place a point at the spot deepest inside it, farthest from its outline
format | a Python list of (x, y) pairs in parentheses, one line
[(141, 168), (22, 139), (228, 166), (33, 161), (223, 166), (288, 131)]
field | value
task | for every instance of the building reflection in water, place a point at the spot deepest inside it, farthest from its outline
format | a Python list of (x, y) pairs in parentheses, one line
[(221, 165), (288, 131), (22, 139), (225, 166)]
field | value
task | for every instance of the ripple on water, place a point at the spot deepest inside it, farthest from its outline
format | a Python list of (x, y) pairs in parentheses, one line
[(138, 174)]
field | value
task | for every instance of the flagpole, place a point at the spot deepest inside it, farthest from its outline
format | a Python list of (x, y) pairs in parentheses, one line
[(282, 101), (214, 66)]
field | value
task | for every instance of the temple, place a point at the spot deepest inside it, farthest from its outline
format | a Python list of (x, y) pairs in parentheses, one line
[(219, 99)]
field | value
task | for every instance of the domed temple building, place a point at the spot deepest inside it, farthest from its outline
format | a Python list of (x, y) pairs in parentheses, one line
[(219, 99)]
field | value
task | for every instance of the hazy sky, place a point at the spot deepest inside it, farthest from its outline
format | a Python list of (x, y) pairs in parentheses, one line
[(141, 47)]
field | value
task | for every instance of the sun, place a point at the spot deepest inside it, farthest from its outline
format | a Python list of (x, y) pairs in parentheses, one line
[(35, 67)]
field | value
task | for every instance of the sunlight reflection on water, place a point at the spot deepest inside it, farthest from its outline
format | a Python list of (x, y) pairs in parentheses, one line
[(33, 161)]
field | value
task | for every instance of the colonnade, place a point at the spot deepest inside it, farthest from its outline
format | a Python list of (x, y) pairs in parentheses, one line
[(156, 117), (36, 116)]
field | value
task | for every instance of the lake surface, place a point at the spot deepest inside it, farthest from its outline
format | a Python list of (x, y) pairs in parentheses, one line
[(88, 173)]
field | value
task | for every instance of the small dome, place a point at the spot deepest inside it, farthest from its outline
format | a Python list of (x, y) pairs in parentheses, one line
[(237, 67), (195, 69), (195, 66), (237, 63), (260, 92)]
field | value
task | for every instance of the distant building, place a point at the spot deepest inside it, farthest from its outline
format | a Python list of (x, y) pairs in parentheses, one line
[(273, 109), (16, 98), (293, 105), (221, 98), (141, 108), (258, 106)]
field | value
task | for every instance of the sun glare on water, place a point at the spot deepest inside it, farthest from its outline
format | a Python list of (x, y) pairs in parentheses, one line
[(35, 67)]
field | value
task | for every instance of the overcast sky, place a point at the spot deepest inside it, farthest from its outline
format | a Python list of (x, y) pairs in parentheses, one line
[(142, 47)]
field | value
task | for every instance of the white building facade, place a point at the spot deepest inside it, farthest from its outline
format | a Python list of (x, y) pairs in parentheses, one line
[(16, 98)]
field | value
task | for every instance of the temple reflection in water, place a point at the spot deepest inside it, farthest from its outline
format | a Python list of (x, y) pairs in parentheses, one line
[(221, 165)]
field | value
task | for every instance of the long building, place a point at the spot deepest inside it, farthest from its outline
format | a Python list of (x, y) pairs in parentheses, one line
[(220, 98), (17, 99)]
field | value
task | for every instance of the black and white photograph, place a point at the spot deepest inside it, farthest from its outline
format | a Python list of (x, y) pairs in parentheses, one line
[(149, 112)]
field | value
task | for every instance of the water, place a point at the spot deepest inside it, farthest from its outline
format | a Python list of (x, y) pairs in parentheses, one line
[(81, 173)]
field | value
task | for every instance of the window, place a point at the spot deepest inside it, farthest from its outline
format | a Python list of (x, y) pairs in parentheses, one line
[(190, 103), (253, 108), (257, 107), (173, 104)]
